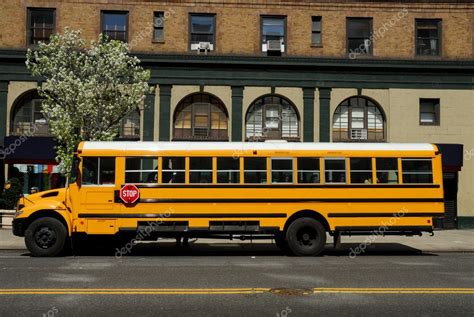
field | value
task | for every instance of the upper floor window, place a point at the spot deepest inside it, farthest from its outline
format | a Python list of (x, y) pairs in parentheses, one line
[(202, 32), (200, 117), (428, 37), (358, 119), (27, 117), (273, 30), (115, 25), (272, 118), (158, 27), (359, 32), (41, 25), (429, 111), (316, 31), (130, 126)]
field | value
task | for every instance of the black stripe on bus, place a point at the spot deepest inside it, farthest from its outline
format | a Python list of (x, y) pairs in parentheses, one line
[(173, 216), (287, 186), (284, 200), (384, 228), (384, 214)]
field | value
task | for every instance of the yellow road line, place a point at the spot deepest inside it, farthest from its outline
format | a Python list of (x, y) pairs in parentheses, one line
[(222, 291), (134, 291), (396, 290)]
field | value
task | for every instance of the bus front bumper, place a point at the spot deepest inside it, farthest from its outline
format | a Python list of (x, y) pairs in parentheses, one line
[(18, 227)]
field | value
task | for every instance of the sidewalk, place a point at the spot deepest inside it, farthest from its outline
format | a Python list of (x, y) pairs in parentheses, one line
[(442, 241)]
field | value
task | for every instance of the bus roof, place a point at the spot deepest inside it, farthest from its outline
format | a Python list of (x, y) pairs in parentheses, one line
[(145, 146)]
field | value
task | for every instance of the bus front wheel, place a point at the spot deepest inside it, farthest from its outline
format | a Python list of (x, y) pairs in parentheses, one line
[(45, 237), (306, 237)]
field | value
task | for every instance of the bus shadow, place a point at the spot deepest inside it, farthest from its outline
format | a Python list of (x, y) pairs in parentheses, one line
[(387, 249), (244, 249)]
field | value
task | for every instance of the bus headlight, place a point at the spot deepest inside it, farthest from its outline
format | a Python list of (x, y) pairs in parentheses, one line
[(17, 213)]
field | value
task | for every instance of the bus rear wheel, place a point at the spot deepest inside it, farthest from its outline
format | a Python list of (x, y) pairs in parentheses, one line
[(306, 237), (45, 237)]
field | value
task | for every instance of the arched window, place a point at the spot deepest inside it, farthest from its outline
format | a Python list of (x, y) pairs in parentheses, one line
[(358, 119), (200, 117), (130, 126), (272, 118), (26, 116)]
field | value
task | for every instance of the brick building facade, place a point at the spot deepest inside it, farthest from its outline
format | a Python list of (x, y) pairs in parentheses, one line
[(330, 71)]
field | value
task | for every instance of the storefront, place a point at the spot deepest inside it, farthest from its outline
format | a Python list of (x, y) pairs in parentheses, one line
[(31, 160)]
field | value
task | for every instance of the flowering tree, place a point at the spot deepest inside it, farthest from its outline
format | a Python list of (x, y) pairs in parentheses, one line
[(88, 89)]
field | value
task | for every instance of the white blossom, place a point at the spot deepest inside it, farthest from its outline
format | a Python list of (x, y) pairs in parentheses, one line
[(87, 90)]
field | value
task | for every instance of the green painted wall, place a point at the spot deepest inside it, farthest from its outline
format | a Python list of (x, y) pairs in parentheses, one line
[(3, 109), (148, 116), (465, 222), (165, 106), (308, 114), (237, 98), (324, 114)]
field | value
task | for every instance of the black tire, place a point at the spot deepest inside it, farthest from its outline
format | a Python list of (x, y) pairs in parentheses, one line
[(46, 237), (306, 237)]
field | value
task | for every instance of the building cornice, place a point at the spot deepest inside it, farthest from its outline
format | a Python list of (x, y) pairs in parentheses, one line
[(285, 71), (18, 56)]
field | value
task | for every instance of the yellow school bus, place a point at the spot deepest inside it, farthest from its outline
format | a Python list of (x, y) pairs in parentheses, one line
[(294, 193)]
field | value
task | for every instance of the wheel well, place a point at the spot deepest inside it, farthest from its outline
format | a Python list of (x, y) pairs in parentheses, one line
[(308, 213), (45, 213)]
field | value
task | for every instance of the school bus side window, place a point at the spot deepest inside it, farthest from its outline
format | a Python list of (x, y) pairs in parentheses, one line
[(200, 170), (228, 170), (335, 170), (282, 170), (98, 171), (74, 170), (141, 170), (174, 170), (387, 170), (308, 170), (255, 170), (361, 170), (417, 171)]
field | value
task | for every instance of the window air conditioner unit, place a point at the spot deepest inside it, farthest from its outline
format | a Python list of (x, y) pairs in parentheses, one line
[(202, 47), (358, 134), (274, 46), (201, 133)]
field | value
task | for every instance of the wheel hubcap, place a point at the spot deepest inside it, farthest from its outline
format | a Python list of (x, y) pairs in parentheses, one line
[(306, 237), (45, 237)]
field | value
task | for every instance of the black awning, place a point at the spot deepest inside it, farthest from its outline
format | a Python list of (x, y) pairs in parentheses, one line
[(28, 150), (452, 155)]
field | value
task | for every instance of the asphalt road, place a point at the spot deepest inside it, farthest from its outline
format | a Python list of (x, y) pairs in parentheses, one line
[(236, 280)]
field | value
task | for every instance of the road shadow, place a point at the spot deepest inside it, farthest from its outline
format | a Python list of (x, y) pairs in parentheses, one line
[(201, 248)]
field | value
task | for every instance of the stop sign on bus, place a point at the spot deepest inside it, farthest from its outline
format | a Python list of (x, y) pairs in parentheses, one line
[(129, 193)]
